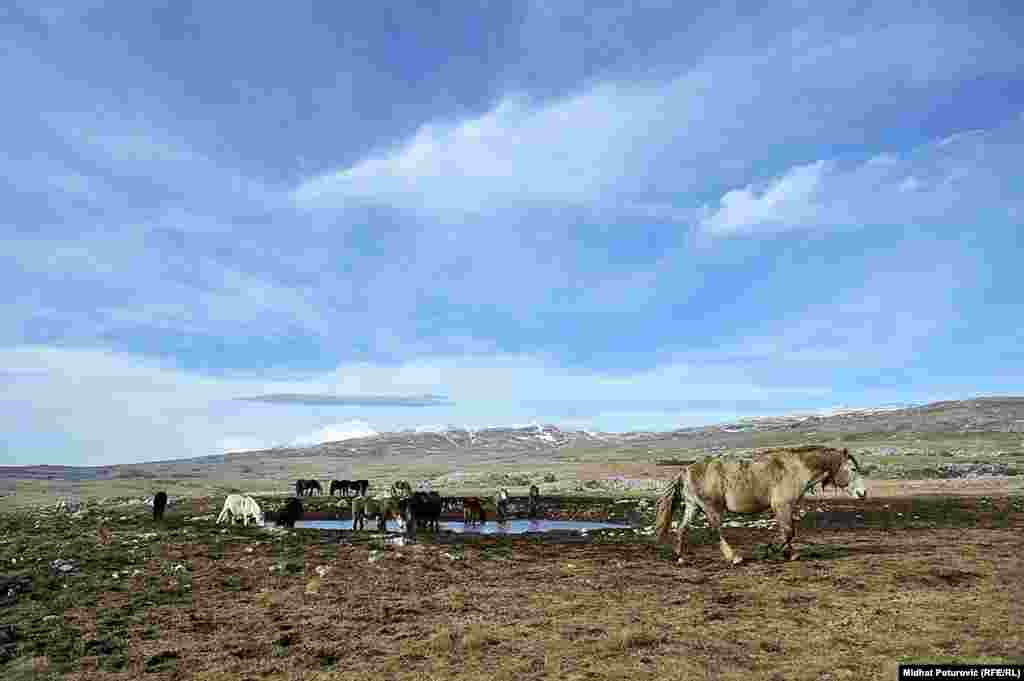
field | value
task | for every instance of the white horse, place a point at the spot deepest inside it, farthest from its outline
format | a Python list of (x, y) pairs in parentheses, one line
[(239, 506), (501, 505)]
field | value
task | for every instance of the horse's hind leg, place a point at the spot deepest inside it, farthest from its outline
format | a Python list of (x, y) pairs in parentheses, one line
[(689, 513), (784, 516)]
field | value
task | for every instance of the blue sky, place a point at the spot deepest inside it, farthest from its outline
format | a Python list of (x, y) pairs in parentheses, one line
[(604, 216)]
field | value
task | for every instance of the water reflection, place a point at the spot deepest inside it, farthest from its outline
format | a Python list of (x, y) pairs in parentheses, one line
[(490, 527)]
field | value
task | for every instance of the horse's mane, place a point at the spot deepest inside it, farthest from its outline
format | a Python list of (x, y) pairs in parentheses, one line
[(815, 457)]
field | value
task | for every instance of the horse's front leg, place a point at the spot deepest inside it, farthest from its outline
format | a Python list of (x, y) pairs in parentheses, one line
[(715, 521)]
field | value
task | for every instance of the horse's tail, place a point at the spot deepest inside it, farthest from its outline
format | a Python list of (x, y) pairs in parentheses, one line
[(668, 502)]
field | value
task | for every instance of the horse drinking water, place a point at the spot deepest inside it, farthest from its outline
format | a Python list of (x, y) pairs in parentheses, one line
[(473, 510), (776, 479), (292, 512), (421, 508), (382, 509)]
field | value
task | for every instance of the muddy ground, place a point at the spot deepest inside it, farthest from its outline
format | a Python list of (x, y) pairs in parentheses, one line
[(881, 581)]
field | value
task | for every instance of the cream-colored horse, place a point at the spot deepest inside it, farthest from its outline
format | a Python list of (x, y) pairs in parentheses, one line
[(775, 479), (240, 506)]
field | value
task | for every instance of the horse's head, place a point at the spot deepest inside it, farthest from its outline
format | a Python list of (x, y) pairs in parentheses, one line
[(849, 477)]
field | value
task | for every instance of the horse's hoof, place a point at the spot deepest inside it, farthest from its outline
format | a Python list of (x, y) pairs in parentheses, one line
[(795, 555), (737, 560)]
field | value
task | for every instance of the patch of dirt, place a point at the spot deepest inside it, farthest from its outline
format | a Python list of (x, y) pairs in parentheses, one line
[(205, 604), (951, 487)]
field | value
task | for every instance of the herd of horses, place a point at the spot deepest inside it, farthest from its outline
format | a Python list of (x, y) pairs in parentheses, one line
[(312, 487), (776, 480), (415, 510)]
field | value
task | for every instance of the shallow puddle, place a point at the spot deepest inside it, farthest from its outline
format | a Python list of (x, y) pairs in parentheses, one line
[(490, 527)]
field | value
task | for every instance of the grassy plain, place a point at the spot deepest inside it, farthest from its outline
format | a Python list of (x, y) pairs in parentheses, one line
[(881, 581)]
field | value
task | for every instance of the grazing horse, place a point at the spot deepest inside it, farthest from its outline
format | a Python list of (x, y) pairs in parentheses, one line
[(401, 488), (775, 479), (382, 509), (159, 504), (473, 510), (534, 501), (359, 487), (292, 511), (343, 485), (421, 507), (238, 506), (501, 505), (306, 487)]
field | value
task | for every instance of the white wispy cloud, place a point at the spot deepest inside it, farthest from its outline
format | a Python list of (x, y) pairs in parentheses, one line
[(954, 175), (570, 147), (612, 143), (786, 203)]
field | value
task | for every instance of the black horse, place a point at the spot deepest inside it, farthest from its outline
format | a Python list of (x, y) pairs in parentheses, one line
[(421, 507), (342, 485), (159, 504), (360, 486), (534, 501), (304, 488), (292, 511)]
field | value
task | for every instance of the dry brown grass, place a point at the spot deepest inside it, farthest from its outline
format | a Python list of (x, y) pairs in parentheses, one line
[(549, 611)]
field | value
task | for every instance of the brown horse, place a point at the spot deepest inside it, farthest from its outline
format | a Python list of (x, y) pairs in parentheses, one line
[(473, 510), (776, 479)]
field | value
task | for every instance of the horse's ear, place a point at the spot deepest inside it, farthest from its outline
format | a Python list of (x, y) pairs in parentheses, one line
[(846, 453)]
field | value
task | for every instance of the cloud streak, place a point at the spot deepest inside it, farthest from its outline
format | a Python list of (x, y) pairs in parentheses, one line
[(351, 400)]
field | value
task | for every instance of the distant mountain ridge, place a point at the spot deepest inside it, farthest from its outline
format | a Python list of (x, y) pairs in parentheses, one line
[(542, 442)]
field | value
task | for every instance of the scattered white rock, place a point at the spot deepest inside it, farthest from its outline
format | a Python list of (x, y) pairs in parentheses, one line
[(322, 570), (63, 566), (67, 505)]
